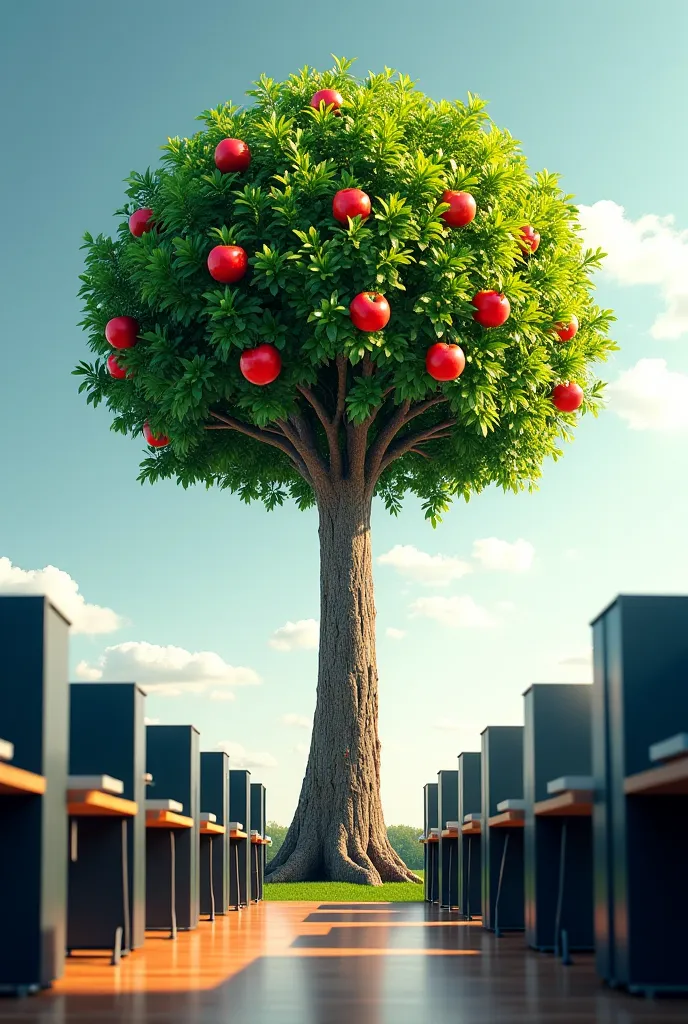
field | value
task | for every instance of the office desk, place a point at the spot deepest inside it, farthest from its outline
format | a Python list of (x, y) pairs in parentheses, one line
[(169, 821), (241, 895), (97, 906), (257, 875), (472, 828), (507, 819)]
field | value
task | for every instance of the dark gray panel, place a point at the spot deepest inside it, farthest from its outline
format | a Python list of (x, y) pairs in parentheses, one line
[(501, 848)]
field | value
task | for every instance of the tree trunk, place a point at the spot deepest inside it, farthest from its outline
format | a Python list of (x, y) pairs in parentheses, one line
[(338, 832)]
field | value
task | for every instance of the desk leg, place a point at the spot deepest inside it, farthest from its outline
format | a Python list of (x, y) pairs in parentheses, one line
[(499, 884), (210, 879), (173, 886), (123, 941), (449, 891), (468, 883), (561, 943), (236, 867)]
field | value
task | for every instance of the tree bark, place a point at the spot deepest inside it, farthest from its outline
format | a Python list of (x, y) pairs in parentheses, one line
[(338, 832)]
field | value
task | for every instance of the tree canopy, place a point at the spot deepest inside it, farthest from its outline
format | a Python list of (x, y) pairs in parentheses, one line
[(494, 424)]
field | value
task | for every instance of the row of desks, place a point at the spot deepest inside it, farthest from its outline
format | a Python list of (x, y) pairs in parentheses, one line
[(578, 822), (95, 867)]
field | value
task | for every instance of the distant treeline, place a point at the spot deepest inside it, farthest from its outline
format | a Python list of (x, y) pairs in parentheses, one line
[(404, 839)]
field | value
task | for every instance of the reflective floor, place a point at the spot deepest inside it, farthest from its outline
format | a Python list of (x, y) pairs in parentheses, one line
[(309, 963)]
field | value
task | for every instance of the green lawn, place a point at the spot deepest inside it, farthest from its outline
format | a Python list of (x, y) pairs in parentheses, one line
[(344, 892)]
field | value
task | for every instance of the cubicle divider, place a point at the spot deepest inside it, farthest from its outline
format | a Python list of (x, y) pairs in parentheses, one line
[(447, 847), (502, 828), (172, 831), (557, 789), (258, 840), (34, 723), (106, 904), (640, 767), (214, 833), (430, 842), (239, 838), (469, 844)]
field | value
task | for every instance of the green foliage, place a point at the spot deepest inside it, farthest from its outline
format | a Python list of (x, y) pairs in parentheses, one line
[(404, 150), (278, 834), (404, 840)]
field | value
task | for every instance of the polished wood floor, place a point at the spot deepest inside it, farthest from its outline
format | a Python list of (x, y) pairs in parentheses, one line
[(310, 963)]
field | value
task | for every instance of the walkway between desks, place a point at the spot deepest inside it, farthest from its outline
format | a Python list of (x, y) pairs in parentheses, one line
[(345, 963)]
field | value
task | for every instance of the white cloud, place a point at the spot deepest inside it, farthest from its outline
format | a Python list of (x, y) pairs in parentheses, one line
[(167, 671), (500, 555), (651, 397), (240, 757), (221, 695), (395, 634), (647, 251), (453, 612), (301, 635), (431, 570), (63, 591), (298, 721)]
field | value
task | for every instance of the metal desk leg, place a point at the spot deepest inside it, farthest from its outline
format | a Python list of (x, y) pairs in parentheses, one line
[(561, 939), (467, 915), (449, 892), (236, 866), (210, 878), (173, 886), (499, 884), (123, 934)]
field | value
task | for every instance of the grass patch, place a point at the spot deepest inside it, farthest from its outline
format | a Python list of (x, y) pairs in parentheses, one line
[(344, 892)]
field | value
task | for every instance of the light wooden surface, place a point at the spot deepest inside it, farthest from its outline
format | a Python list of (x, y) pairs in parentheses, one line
[(571, 803), (96, 804), (15, 781), (450, 833), (507, 819), (167, 819), (471, 828), (257, 841), (211, 828), (666, 779), (236, 834), (310, 963)]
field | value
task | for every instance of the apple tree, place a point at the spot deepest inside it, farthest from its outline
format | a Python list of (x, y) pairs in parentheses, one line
[(344, 291)]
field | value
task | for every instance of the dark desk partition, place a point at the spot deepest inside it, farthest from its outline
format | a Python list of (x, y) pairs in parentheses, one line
[(240, 849), (447, 858), (502, 848), (173, 759), (34, 716), (640, 697), (557, 850), (469, 845), (215, 800), (258, 850), (108, 737), (430, 859)]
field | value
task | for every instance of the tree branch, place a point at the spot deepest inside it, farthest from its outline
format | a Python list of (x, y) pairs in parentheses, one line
[(300, 433), (265, 437), (342, 366), (407, 443), (329, 427), (384, 439)]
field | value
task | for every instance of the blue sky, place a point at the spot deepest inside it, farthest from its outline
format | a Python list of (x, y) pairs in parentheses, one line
[(90, 92)]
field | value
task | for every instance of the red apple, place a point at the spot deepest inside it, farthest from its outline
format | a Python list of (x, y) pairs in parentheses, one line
[(232, 155), (530, 238), (141, 221), (444, 362), (567, 331), (370, 311), (330, 97), (154, 440), (461, 209), (114, 369), (492, 309), (567, 397), (122, 331), (261, 365), (227, 263), (350, 202)]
